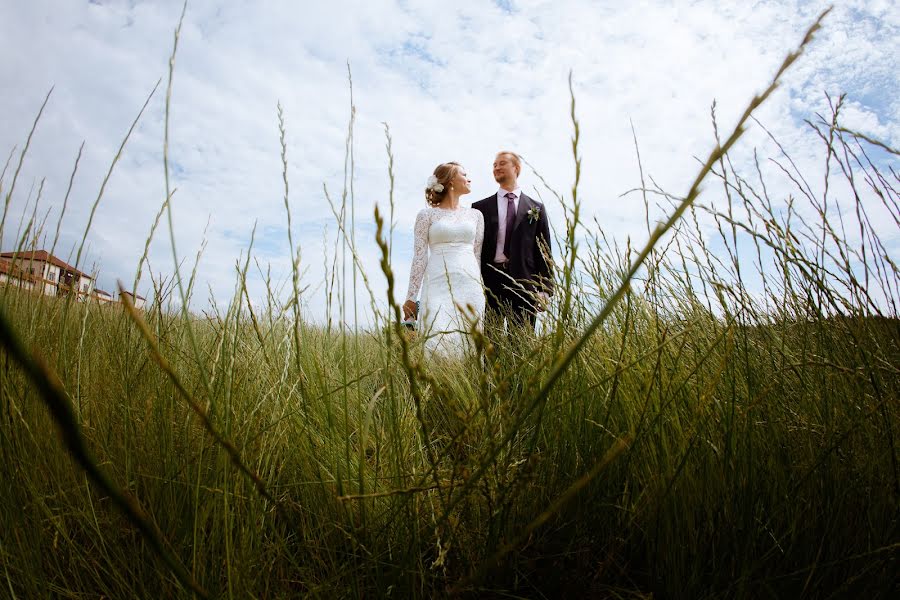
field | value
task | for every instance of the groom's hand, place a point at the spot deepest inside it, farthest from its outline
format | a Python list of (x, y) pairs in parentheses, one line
[(542, 301)]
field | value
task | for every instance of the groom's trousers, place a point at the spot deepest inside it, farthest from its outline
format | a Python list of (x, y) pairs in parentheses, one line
[(508, 300)]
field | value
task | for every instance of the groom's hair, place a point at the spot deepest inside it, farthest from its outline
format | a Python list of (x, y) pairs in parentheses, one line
[(514, 158)]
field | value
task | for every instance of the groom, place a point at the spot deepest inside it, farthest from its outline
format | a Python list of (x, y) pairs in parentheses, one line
[(516, 250)]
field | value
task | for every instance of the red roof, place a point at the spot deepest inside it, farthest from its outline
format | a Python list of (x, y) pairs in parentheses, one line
[(42, 256)]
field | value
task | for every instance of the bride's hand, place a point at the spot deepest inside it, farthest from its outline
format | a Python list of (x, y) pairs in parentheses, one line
[(409, 309)]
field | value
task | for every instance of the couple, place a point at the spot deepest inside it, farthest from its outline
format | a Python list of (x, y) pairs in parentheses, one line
[(495, 253)]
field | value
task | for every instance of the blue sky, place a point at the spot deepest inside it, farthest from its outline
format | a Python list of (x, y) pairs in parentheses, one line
[(453, 81)]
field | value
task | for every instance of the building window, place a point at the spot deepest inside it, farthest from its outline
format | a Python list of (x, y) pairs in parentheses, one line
[(51, 276), (84, 287)]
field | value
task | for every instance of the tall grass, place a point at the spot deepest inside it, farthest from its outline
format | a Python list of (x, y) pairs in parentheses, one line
[(712, 415)]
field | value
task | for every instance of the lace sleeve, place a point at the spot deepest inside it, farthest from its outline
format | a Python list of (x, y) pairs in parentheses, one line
[(479, 233), (420, 253)]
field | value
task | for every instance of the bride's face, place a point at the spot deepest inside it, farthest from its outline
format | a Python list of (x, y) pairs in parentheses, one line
[(461, 182)]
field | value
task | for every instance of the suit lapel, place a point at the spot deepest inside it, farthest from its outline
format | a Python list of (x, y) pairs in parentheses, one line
[(525, 204), (491, 219), (491, 212)]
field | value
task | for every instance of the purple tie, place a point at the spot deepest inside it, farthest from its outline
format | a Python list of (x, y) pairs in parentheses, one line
[(510, 219)]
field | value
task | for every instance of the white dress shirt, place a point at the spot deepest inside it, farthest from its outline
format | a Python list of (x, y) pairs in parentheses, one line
[(501, 225)]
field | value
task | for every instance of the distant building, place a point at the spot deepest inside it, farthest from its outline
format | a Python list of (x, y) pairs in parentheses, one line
[(102, 297), (136, 301), (47, 274), (11, 274), (42, 272)]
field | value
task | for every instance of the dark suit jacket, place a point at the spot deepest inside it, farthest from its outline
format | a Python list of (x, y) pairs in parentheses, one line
[(526, 261)]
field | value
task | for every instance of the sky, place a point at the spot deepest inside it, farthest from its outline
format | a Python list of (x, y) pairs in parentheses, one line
[(452, 81)]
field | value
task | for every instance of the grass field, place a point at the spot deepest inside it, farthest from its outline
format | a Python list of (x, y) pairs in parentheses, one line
[(689, 423)]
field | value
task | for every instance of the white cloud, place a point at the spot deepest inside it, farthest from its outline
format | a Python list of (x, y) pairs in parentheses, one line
[(454, 82)]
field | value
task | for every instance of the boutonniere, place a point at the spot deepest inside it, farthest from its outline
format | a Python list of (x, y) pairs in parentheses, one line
[(534, 214)]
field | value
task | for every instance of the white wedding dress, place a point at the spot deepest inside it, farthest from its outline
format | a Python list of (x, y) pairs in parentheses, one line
[(446, 267)]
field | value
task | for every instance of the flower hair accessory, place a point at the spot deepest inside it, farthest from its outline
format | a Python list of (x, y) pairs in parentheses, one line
[(534, 214), (434, 185)]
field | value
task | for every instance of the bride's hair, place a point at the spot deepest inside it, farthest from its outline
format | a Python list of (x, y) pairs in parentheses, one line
[(443, 173)]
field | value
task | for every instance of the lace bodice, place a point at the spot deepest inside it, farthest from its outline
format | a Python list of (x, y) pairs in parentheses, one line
[(440, 230)]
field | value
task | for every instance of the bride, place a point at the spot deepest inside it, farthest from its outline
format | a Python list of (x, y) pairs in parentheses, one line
[(445, 265)]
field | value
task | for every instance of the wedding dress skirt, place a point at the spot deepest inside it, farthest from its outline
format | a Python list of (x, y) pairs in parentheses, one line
[(446, 266)]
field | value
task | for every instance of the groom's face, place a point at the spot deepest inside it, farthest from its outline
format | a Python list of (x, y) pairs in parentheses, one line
[(505, 171)]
